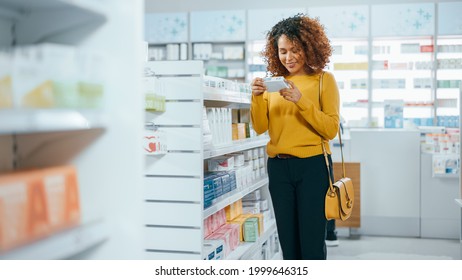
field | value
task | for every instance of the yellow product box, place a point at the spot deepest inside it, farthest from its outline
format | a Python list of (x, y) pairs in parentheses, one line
[(240, 221), (238, 131), (261, 227), (6, 92), (351, 66), (233, 210)]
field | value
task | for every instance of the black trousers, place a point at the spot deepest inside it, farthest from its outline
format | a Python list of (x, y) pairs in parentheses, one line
[(298, 187)]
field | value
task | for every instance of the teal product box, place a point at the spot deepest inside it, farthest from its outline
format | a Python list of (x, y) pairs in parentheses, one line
[(209, 194), (216, 183)]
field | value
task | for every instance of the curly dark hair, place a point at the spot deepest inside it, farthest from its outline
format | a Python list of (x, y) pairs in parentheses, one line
[(306, 33)]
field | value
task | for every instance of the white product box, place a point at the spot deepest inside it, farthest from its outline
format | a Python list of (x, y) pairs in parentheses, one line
[(45, 76), (274, 84), (208, 252), (256, 164), (255, 195), (261, 162), (262, 171), (251, 209), (262, 204), (233, 52), (261, 152), (222, 163), (255, 153), (218, 244), (154, 142), (248, 155), (239, 159)]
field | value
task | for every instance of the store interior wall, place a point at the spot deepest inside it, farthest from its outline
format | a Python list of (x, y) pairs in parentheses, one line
[(200, 5)]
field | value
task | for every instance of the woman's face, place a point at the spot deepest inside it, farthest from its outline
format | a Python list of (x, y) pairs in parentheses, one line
[(291, 56)]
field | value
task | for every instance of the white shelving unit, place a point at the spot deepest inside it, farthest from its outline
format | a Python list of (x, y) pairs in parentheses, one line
[(100, 142), (174, 199), (62, 245), (43, 120)]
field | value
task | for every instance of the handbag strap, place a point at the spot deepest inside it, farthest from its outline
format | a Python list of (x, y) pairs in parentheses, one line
[(322, 140)]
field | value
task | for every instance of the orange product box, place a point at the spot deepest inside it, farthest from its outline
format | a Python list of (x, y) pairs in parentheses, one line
[(62, 197), (14, 209), (34, 203)]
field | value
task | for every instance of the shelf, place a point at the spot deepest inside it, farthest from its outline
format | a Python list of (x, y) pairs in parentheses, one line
[(236, 146), (454, 176), (62, 245), (232, 196), (459, 202), (48, 120), (277, 256), (36, 20), (251, 247), (215, 94)]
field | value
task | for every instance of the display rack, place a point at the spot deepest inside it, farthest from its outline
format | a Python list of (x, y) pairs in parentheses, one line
[(86, 139), (349, 64), (174, 198), (402, 70), (449, 59), (221, 59)]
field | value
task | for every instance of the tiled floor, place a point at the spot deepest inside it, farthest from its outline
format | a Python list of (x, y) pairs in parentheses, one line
[(395, 248)]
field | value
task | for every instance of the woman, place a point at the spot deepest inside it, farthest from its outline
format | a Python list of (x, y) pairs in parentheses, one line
[(296, 119)]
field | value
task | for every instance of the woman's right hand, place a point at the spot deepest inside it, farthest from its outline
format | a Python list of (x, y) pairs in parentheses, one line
[(257, 86)]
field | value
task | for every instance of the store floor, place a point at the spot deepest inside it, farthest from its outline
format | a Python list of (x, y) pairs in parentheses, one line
[(395, 248)]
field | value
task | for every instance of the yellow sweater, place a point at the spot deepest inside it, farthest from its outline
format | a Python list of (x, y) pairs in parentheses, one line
[(295, 129)]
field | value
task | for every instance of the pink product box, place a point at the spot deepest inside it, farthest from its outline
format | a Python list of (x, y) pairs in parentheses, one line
[(232, 230), (208, 226), (220, 216)]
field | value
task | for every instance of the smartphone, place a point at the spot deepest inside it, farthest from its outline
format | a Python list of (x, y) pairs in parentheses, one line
[(275, 84)]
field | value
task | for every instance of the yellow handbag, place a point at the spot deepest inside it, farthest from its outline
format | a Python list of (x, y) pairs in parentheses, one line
[(340, 195)]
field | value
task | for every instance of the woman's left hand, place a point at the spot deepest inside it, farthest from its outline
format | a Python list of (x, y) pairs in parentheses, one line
[(291, 94)]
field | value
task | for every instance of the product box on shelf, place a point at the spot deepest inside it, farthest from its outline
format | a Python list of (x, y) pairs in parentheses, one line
[(233, 231), (6, 93), (37, 203), (217, 245), (91, 78), (251, 229), (209, 193), (222, 163), (233, 210), (154, 141), (208, 252), (44, 76)]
